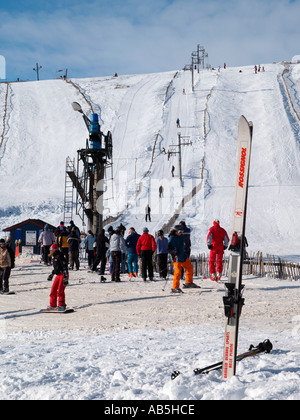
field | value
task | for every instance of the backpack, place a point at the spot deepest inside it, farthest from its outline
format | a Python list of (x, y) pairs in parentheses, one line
[(235, 242)]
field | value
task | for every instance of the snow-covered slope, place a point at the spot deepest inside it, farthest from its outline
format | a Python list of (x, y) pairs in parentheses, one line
[(41, 130)]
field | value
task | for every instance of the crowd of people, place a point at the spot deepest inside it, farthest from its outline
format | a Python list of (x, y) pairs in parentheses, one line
[(131, 253), (126, 252)]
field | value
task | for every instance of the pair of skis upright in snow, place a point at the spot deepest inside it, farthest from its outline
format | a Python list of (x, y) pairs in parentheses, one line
[(233, 300)]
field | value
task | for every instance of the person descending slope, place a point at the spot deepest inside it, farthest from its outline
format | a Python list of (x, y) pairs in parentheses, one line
[(217, 242)]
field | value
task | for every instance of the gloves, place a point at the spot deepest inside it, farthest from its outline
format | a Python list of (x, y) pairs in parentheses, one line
[(209, 246), (50, 277), (66, 278), (225, 247)]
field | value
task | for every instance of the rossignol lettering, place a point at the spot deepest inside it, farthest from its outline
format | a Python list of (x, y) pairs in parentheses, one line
[(242, 167)]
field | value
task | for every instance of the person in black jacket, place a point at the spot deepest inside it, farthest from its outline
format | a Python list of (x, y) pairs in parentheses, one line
[(73, 242), (60, 270), (102, 244)]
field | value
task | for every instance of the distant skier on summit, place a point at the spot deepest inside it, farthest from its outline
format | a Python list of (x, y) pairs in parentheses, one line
[(217, 242)]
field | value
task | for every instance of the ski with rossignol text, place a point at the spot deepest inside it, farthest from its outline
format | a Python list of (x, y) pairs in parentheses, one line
[(233, 299)]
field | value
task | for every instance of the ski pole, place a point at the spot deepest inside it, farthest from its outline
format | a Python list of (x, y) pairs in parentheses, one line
[(167, 279), (264, 347)]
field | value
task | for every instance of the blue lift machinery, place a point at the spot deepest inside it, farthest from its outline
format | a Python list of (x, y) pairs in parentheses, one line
[(88, 178)]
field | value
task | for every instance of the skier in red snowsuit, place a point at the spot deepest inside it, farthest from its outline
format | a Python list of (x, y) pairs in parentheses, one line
[(217, 242)]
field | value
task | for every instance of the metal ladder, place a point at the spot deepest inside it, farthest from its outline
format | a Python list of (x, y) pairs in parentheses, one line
[(69, 189)]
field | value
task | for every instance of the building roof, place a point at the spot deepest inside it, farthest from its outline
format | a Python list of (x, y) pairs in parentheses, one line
[(38, 222), (296, 59)]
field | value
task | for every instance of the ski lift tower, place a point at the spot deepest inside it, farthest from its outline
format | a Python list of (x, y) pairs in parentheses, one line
[(91, 163)]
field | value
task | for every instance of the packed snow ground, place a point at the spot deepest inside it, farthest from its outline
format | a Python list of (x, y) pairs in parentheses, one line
[(124, 340)]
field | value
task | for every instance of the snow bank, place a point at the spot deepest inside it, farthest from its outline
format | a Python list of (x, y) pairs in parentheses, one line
[(124, 340)]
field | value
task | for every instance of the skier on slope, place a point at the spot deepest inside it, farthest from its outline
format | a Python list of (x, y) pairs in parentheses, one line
[(217, 242), (148, 213)]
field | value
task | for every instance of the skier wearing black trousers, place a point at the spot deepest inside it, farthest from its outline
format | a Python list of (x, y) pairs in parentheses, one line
[(145, 248), (102, 244), (148, 213), (162, 254)]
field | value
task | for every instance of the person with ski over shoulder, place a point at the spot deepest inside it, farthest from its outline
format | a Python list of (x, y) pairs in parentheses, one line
[(60, 271), (217, 242), (176, 248)]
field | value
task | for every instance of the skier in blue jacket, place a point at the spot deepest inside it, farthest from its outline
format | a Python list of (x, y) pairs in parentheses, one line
[(131, 242)]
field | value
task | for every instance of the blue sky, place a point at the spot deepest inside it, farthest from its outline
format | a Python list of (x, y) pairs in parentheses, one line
[(100, 37)]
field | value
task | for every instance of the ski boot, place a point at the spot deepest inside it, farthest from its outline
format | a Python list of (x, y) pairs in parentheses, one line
[(191, 286), (177, 290)]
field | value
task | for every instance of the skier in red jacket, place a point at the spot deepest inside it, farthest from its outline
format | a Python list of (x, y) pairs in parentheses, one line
[(145, 248), (217, 242)]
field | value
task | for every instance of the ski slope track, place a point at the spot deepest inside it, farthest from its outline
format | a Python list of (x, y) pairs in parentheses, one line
[(41, 130), (124, 339)]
